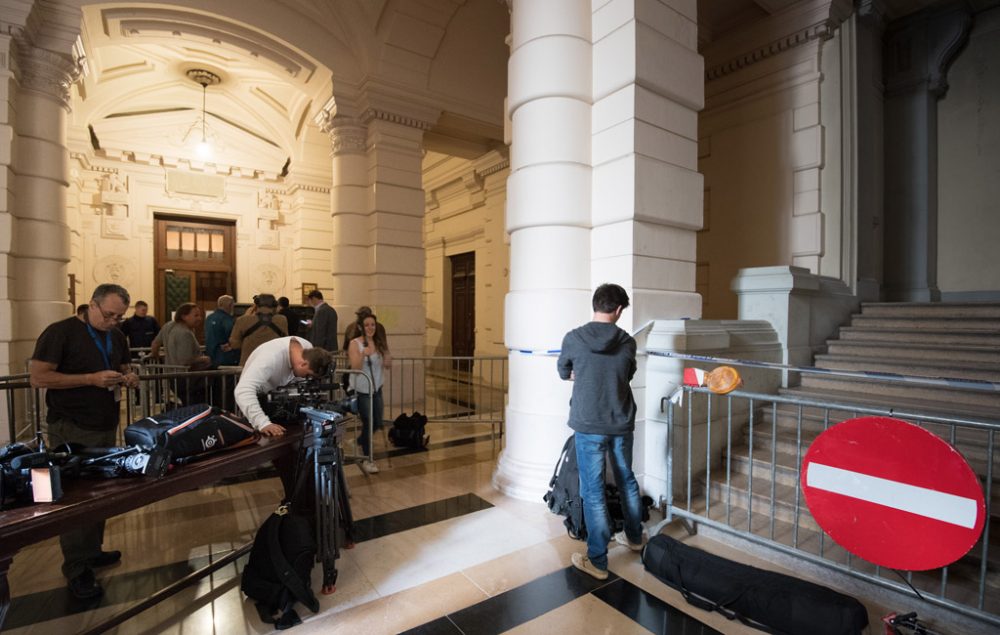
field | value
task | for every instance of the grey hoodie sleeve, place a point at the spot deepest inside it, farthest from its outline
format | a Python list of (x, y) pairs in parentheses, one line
[(565, 363)]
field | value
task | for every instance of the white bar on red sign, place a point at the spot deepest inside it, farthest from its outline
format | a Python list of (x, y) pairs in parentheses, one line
[(956, 510)]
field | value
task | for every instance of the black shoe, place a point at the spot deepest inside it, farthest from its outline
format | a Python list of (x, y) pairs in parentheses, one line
[(85, 586), (106, 559)]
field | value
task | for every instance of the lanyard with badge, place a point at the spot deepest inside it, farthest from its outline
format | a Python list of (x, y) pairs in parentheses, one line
[(105, 349)]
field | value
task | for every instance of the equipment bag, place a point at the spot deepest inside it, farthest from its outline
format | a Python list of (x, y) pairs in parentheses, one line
[(278, 572), (192, 430), (407, 431), (767, 600), (563, 497)]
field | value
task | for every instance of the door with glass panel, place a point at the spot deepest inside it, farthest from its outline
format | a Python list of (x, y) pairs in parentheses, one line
[(195, 261)]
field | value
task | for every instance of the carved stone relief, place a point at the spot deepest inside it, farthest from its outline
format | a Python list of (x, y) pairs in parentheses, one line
[(117, 269), (269, 278)]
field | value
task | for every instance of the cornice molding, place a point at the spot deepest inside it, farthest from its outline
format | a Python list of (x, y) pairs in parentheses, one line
[(819, 31), (301, 187), (373, 114)]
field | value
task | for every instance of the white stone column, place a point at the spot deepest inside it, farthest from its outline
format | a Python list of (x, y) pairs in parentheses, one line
[(349, 211), (310, 257), (607, 192), (548, 218), (39, 232), (377, 205), (394, 227)]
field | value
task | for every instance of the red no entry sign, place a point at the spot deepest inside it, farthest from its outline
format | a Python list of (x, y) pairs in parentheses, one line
[(893, 493)]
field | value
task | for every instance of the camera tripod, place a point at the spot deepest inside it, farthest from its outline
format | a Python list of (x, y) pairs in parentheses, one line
[(322, 455)]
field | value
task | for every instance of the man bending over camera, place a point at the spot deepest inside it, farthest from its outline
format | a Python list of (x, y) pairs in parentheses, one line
[(271, 365)]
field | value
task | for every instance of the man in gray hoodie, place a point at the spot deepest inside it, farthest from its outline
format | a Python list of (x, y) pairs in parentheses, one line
[(599, 358)]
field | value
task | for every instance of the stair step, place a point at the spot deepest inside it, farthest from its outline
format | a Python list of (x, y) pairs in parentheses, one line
[(959, 368), (915, 349), (935, 309), (908, 404), (965, 337), (916, 322), (958, 398)]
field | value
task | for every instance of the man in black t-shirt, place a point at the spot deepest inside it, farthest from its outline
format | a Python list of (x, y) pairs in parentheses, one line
[(84, 364)]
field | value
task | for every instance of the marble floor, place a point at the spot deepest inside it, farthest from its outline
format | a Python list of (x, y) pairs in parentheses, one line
[(438, 551)]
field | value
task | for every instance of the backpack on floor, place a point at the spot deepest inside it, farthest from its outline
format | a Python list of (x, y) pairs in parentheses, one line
[(563, 497), (767, 600), (407, 431), (278, 573), (192, 430)]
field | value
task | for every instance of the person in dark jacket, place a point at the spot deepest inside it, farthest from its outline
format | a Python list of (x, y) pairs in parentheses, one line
[(141, 328), (599, 358), (324, 323)]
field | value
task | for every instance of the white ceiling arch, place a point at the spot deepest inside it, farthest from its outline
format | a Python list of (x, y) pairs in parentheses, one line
[(138, 99)]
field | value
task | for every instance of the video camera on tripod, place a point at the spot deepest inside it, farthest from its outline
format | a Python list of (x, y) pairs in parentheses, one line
[(285, 403)]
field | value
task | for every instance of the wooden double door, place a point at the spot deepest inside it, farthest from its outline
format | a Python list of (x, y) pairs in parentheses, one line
[(195, 261)]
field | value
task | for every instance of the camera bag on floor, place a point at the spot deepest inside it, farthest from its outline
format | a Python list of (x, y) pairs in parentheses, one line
[(279, 571), (766, 600), (192, 430), (563, 497), (407, 431)]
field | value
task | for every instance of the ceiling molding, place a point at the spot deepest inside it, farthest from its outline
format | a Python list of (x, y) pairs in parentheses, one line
[(179, 25)]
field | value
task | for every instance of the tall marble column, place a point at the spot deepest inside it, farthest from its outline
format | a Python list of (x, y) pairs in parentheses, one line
[(918, 51), (394, 225), (377, 207), (549, 220), (603, 188), (349, 209), (39, 231)]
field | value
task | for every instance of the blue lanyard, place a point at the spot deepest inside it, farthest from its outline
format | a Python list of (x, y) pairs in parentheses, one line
[(104, 348)]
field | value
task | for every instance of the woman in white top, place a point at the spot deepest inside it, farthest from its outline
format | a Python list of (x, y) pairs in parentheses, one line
[(369, 353)]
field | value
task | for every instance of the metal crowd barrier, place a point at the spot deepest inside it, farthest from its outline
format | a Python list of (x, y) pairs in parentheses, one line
[(731, 469), (450, 390)]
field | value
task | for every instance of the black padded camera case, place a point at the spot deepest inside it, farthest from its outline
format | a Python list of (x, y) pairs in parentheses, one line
[(191, 430), (767, 600)]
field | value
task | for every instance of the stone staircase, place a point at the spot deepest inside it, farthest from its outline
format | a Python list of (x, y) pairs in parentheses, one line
[(959, 341)]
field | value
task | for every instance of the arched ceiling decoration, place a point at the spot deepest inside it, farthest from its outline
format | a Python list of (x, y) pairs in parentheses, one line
[(140, 103)]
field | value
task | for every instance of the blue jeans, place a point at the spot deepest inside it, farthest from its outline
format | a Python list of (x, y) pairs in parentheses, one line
[(590, 453), (363, 398)]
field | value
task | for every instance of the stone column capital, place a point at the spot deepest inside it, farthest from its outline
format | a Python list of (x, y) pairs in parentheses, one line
[(920, 48), (348, 134), (45, 72)]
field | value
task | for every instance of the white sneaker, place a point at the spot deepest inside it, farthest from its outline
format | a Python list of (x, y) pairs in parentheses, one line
[(583, 563), (369, 467), (622, 539)]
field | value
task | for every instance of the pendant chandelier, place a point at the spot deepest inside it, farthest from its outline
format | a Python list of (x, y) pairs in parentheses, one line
[(205, 79)]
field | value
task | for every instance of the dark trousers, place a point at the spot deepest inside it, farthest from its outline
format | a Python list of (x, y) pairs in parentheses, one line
[(83, 543)]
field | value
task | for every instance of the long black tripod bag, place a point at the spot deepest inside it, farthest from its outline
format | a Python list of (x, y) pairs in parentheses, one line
[(767, 600)]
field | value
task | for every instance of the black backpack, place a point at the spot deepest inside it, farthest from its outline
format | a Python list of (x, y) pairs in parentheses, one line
[(279, 570), (407, 431), (563, 497)]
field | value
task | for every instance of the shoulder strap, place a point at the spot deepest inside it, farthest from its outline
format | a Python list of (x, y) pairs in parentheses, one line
[(286, 574), (559, 463), (274, 327), (253, 327)]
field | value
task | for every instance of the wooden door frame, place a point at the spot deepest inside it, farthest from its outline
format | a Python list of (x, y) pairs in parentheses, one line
[(162, 264)]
